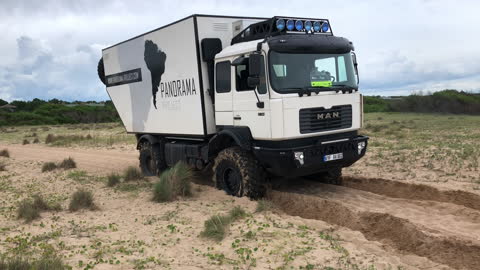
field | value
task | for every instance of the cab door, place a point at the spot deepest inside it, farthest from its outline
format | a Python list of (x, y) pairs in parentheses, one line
[(223, 93), (246, 111)]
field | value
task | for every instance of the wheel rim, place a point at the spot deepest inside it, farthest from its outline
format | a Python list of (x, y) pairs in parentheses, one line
[(232, 180)]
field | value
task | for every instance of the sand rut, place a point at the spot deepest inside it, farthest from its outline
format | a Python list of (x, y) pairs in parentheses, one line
[(396, 232), (411, 191)]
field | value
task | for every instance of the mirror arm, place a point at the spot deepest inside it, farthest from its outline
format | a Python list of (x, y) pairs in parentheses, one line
[(355, 65), (260, 104)]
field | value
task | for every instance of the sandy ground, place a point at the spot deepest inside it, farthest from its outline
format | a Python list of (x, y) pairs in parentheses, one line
[(367, 223)]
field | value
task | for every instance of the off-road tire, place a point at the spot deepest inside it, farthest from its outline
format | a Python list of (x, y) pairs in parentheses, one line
[(251, 175), (152, 161), (101, 71), (333, 176)]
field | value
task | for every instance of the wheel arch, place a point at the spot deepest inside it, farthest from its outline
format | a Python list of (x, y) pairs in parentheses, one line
[(146, 138), (230, 136)]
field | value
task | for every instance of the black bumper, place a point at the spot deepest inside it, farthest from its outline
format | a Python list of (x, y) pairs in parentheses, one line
[(282, 162)]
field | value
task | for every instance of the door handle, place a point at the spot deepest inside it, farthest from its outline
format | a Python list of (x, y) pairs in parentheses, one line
[(237, 117)]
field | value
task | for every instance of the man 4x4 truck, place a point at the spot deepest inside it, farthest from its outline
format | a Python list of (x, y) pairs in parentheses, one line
[(254, 97)]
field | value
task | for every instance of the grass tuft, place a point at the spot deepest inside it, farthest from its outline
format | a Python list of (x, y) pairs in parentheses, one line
[(25, 142), (132, 173), (264, 205), (49, 166), (216, 227), (27, 210), (81, 199), (67, 163), (173, 182), (36, 140), (113, 179), (2, 167), (5, 153)]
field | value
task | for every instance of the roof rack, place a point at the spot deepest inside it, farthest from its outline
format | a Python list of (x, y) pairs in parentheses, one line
[(280, 25)]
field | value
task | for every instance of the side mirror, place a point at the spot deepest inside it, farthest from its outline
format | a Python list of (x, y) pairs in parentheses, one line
[(253, 82), (355, 66), (254, 64)]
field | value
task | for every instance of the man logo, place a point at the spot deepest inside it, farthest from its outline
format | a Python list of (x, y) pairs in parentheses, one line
[(329, 115)]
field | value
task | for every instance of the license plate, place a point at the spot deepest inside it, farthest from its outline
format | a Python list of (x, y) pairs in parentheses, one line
[(333, 157)]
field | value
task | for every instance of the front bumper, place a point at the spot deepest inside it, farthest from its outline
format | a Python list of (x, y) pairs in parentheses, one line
[(283, 161)]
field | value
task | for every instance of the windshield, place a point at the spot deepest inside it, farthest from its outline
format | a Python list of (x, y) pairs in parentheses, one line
[(291, 72)]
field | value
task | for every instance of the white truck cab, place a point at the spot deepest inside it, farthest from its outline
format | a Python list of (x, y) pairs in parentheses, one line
[(252, 97)]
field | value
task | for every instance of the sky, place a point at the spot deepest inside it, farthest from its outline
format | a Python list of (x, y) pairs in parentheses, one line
[(50, 48)]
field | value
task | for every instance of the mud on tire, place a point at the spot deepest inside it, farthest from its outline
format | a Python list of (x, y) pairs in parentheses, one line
[(238, 173), (152, 161)]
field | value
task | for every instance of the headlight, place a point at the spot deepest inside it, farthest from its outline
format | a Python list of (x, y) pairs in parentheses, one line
[(361, 146)]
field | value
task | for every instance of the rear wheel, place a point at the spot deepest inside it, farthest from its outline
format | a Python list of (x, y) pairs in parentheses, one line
[(333, 176), (238, 173), (152, 161)]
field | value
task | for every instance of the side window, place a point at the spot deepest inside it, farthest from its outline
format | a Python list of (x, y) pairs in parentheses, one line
[(241, 78), (342, 71), (223, 77)]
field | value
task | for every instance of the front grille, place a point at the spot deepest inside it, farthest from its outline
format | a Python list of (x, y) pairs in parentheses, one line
[(321, 119)]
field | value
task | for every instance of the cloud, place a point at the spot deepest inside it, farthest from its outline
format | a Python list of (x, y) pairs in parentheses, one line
[(50, 48)]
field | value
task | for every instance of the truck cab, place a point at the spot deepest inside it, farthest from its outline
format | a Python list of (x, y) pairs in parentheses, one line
[(296, 93)]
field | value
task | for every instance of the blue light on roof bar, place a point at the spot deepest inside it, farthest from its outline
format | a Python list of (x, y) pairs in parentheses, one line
[(308, 26), (299, 25), (316, 26), (290, 25), (280, 24), (325, 27)]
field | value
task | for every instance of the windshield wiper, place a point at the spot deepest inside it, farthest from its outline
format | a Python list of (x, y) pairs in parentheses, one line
[(308, 90)]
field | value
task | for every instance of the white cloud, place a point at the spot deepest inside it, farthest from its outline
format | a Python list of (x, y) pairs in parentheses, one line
[(51, 48)]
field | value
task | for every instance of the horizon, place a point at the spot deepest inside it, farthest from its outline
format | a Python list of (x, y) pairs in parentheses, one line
[(54, 53)]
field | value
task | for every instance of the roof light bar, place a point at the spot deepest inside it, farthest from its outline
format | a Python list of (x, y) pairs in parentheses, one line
[(309, 26)]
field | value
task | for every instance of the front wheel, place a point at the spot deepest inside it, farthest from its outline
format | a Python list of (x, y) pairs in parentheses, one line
[(239, 174), (152, 160), (333, 176)]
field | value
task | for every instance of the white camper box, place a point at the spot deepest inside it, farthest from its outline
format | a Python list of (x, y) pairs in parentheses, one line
[(173, 54)]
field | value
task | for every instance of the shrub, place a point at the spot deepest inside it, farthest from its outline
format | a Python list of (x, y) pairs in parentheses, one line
[(5, 153), (25, 142), (264, 205), (236, 213), (113, 179), (81, 199), (49, 166), (36, 140), (67, 163), (27, 210), (2, 167), (132, 173), (50, 138), (173, 182)]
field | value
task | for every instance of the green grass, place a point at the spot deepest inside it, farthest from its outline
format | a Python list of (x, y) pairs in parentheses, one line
[(113, 179), (216, 227), (132, 174), (43, 263), (82, 199), (173, 182), (264, 205)]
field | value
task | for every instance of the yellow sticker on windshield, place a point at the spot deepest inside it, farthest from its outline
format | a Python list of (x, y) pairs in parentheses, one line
[(321, 83)]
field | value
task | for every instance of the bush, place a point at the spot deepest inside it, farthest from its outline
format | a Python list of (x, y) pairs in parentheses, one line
[(132, 173), (81, 199), (5, 153), (113, 179), (27, 210), (67, 163), (43, 263), (237, 213), (25, 142), (50, 138), (36, 140), (173, 182), (49, 166), (2, 167)]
